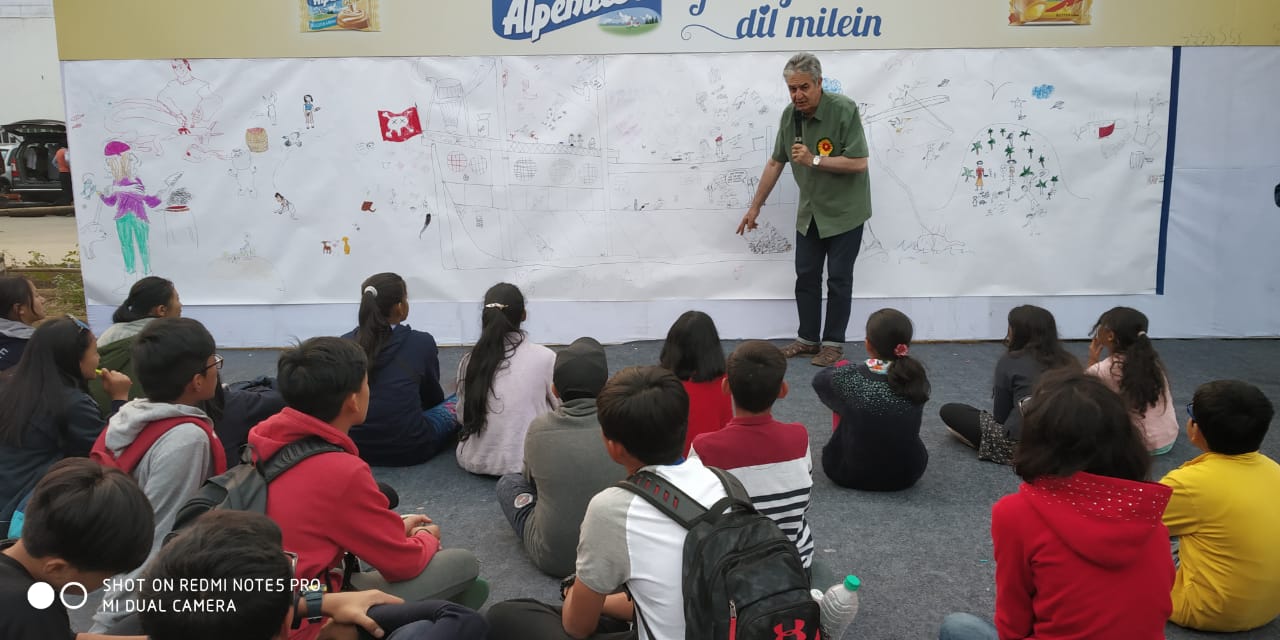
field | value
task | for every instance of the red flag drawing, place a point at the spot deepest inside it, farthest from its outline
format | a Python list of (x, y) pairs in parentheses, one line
[(398, 127), (1103, 132)]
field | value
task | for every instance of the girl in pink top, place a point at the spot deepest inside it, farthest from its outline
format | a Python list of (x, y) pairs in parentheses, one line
[(1133, 370), (693, 352)]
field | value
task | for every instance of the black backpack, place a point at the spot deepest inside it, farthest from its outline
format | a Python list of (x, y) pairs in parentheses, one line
[(742, 577), (244, 486)]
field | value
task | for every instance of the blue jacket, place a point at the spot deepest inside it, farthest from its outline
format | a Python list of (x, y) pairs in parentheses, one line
[(403, 383), (45, 442)]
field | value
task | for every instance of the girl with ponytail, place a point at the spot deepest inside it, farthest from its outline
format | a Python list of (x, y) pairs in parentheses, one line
[(149, 298), (503, 384), (409, 419), (1133, 369), (880, 405)]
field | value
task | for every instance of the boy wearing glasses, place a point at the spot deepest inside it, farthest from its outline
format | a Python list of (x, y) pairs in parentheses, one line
[(1225, 515), (162, 439)]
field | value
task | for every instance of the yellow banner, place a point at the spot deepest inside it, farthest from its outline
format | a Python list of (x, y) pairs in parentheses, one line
[(151, 29)]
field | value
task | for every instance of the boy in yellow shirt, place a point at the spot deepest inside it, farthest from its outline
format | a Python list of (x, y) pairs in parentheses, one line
[(1225, 513)]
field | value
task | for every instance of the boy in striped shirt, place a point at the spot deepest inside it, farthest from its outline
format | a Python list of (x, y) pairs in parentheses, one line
[(770, 458)]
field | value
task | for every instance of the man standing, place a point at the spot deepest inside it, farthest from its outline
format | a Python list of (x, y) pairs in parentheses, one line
[(61, 159), (835, 201)]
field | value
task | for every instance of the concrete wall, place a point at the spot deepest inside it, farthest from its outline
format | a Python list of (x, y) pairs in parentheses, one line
[(30, 81)]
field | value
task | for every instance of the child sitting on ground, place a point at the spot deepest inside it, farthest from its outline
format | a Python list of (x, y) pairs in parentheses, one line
[(48, 414), (1225, 515), (565, 463), (21, 307), (503, 384), (1032, 347), (1133, 369), (770, 458), (409, 420), (876, 445), (84, 524), (627, 545), (149, 298), (232, 409), (1080, 551), (162, 439), (328, 504), (239, 546), (693, 352)]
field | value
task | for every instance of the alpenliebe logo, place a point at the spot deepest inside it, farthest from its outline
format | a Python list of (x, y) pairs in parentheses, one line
[(532, 19)]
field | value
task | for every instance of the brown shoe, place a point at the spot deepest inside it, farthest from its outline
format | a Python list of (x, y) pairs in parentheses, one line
[(798, 348), (828, 356)]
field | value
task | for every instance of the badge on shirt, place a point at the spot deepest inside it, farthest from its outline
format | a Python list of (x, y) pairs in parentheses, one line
[(825, 147)]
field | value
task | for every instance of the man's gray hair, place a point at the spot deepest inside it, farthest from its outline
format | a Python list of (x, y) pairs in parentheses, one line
[(805, 63)]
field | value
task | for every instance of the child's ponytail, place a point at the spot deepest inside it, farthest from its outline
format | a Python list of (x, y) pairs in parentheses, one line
[(500, 334), (889, 332), (379, 293), (145, 295), (1142, 378)]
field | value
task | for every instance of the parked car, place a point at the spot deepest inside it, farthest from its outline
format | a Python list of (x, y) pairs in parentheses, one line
[(5, 148), (33, 174)]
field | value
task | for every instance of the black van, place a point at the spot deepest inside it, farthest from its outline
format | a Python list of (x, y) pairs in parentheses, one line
[(33, 174)]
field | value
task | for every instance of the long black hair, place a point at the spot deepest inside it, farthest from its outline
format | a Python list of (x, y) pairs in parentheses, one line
[(37, 385), (692, 350), (1074, 422), (889, 331), (500, 335), (15, 290), (145, 295), (378, 294), (1033, 332), (1142, 378)]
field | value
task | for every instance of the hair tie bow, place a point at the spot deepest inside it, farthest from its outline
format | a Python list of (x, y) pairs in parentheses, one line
[(900, 351), (495, 305), (370, 290)]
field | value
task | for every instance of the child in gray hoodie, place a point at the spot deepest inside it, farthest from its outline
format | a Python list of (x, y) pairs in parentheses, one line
[(162, 440)]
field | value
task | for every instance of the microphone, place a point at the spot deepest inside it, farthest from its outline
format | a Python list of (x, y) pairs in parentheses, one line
[(799, 139)]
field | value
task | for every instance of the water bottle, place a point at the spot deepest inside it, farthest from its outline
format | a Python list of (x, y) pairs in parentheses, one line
[(839, 606)]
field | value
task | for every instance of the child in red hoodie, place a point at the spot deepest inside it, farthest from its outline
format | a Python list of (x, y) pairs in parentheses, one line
[(1081, 552), (329, 504)]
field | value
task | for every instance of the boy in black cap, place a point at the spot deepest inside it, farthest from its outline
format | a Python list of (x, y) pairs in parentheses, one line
[(565, 463)]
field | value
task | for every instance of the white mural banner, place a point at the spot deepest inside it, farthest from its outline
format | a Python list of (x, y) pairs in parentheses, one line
[(993, 172)]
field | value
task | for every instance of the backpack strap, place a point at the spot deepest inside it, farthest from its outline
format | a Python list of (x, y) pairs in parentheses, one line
[(665, 497), (132, 455), (293, 453), (733, 488), (677, 504)]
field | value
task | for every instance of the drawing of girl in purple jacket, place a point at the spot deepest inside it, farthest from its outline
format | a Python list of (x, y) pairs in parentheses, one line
[(131, 201)]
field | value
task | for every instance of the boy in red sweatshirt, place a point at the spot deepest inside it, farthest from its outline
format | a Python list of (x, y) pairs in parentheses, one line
[(329, 504)]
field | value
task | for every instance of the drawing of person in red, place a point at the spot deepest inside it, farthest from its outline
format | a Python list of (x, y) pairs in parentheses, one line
[(980, 171)]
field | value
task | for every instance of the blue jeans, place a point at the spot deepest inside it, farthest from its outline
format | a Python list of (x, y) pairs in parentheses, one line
[(964, 626), (839, 252)]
